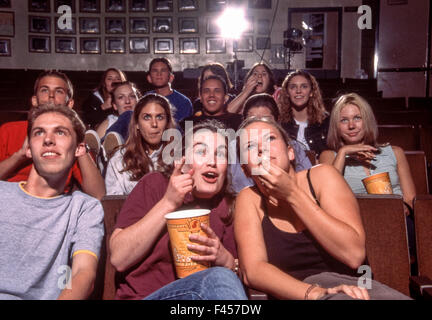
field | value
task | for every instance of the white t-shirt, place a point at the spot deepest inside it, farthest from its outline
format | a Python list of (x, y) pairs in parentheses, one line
[(120, 183), (301, 131)]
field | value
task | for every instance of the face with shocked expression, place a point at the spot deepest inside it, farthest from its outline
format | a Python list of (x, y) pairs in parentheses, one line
[(207, 156), (263, 79), (110, 78), (152, 121)]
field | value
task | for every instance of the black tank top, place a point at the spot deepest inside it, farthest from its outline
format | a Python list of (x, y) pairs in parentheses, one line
[(298, 254)]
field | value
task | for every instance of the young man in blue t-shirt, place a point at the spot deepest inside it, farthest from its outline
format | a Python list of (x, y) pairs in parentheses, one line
[(161, 75)]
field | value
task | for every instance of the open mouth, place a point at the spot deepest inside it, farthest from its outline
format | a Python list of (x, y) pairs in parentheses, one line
[(210, 177)]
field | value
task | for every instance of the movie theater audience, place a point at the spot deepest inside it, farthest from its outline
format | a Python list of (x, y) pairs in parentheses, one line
[(98, 104), (142, 152)]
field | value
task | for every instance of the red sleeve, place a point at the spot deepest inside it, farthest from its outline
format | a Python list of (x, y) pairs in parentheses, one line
[(76, 172), (12, 136), (3, 143), (149, 190)]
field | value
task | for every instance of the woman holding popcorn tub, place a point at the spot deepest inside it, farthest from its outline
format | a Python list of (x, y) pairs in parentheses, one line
[(356, 154), (299, 234), (140, 243)]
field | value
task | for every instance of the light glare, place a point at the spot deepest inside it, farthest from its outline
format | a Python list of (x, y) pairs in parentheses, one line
[(232, 23)]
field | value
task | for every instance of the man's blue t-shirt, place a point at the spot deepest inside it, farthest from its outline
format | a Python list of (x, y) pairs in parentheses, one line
[(182, 105), (182, 108)]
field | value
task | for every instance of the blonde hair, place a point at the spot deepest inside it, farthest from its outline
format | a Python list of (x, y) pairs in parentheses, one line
[(315, 108), (334, 138)]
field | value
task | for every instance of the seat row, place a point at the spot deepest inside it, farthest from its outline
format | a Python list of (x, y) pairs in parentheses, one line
[(386, 245)]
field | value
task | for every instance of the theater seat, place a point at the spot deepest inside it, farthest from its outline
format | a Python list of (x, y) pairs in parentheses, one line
[(418, 168), (105, 279), (405, 136), (423, 226), (386, 239)]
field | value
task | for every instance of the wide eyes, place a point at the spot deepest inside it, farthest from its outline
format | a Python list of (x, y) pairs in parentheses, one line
[(159, 117)]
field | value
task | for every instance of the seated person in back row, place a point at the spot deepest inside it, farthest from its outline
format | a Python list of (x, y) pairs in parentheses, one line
[(50, 240), (161, 75), (214, 96), (263, 105), (53, 87)]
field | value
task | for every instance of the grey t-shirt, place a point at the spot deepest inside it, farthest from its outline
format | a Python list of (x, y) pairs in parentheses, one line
[(38, 238)]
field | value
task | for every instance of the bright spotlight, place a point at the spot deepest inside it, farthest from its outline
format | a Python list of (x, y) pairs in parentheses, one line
[(232, 23)]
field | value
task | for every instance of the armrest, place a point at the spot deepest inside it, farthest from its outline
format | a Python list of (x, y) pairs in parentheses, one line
[(421, 288), (427, 294)]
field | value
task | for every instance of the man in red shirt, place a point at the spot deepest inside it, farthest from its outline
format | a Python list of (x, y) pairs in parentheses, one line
[(50, 87)]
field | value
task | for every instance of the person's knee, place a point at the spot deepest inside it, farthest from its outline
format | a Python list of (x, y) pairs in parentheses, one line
[(221, 273), (224, 284)]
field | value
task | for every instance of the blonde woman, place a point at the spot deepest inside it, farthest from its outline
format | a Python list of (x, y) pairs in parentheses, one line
[(355, 152)]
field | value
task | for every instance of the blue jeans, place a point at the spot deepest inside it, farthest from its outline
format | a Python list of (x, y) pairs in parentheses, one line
[(216, 283)]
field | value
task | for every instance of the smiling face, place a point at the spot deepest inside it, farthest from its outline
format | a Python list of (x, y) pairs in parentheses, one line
[(213, 97), (208, 158), (261, 143), (299, 91), (53, 144), (125, 98), (351, 124), (152, 121), (263, 78)]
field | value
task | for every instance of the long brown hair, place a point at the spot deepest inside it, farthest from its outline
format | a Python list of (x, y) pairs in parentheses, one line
[(315, 108), (102, 88), (270, 89), (215, 126), (135, 158)]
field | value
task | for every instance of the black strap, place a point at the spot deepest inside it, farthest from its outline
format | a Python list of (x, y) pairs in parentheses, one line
[(311, 188)]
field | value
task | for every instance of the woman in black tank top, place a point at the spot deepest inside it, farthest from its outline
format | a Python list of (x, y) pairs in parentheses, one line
[(299, 235)]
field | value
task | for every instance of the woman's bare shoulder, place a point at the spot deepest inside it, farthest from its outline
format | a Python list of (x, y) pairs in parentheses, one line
[(249, 194)]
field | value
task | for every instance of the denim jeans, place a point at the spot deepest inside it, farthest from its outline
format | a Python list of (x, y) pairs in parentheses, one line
[(216, 283), (378, 291)]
